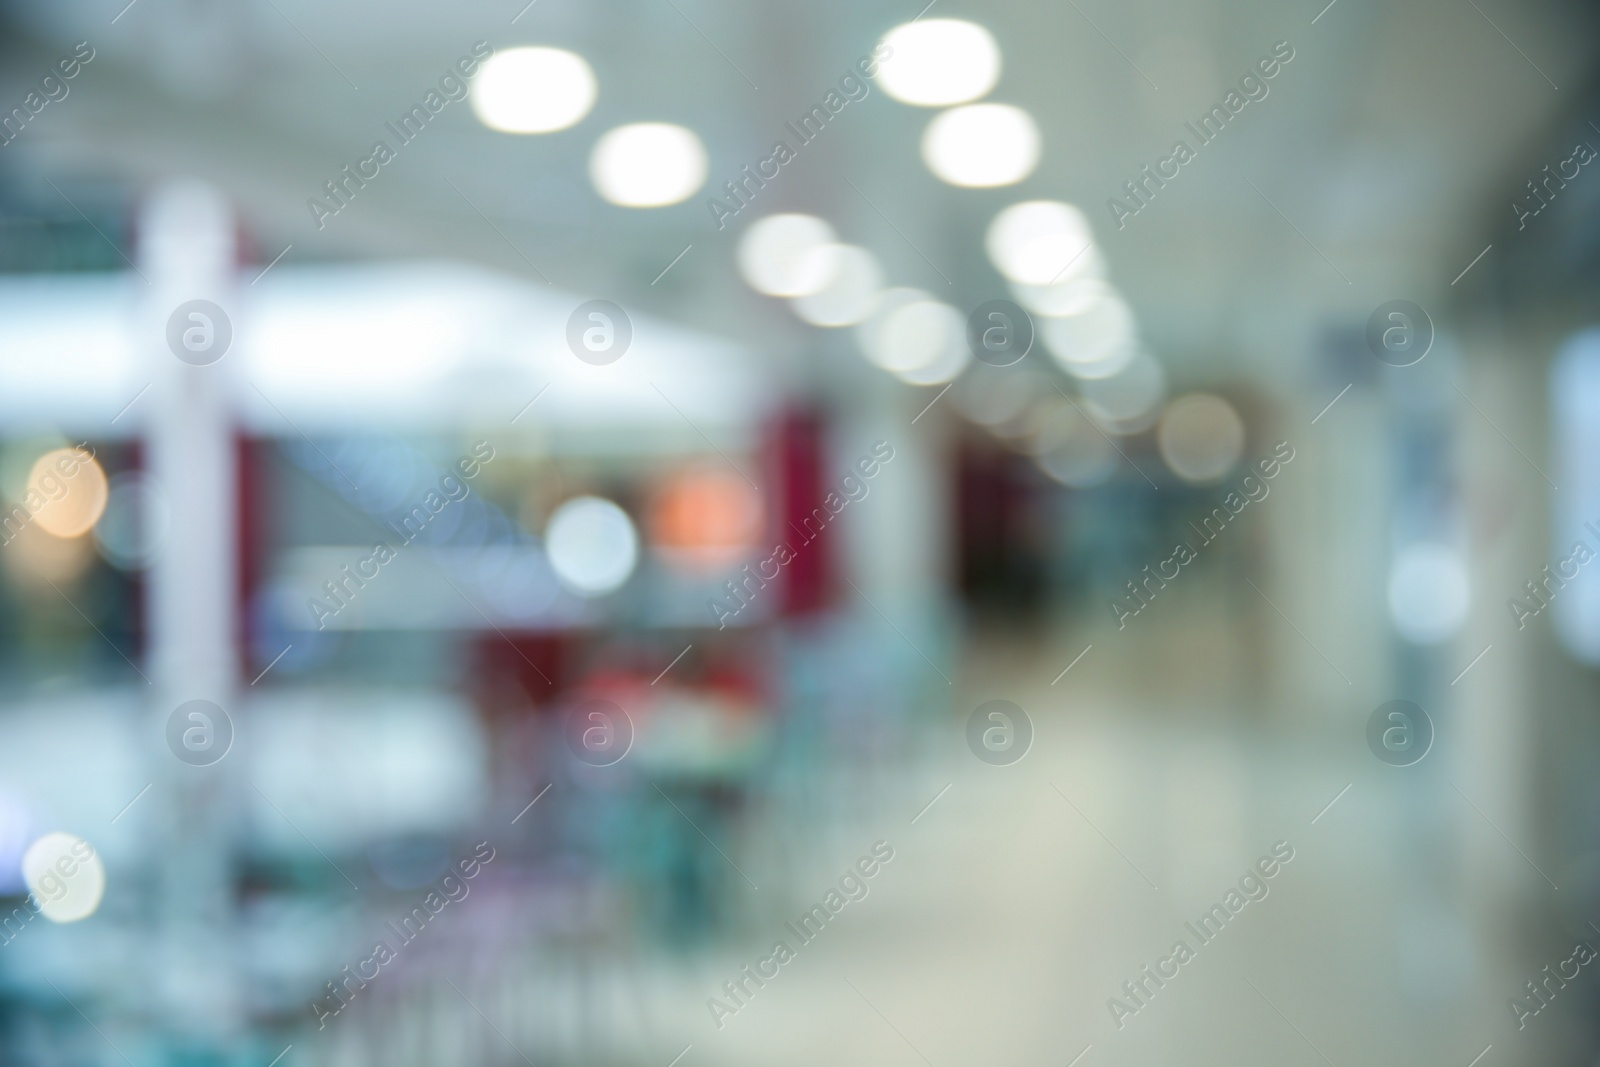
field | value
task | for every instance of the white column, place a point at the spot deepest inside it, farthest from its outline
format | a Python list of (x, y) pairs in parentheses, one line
[(187, 253), (895, 545)]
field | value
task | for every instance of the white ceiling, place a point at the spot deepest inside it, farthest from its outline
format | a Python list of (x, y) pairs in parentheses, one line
[(1388, 143)]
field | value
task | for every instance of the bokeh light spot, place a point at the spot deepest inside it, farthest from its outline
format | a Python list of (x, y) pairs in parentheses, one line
[(592, 545), (1041, 242), (533, 90), (938, 62), (69, 490), (982, 145), (648, 164), (65, 876), (1201, 437), (703, 520), (788, 255)]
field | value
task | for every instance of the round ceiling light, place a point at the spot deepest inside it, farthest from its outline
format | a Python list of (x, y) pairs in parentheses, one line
[(992, 397), (851, 294), (533, 90), (1041, 242), (788, 255), (648, 164), (915, 337), (1064, 298), (939, 62), (893, 349), (1126, 401), (1200, 437), (948, 362), (1067, 446), (1091, 343), (981, 146)]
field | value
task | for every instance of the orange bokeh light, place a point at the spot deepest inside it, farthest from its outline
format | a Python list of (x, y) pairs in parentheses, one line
[(704, 519), (67, 492)]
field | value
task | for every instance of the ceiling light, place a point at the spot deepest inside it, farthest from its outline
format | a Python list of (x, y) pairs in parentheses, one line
[(1068, 447), (1096, 334), (533, 90), (982, 145), (1041, 242), (1200, 437), (648, 164), (1127, 400), (788, 255), (915, 337), (947, 363), (851, 294), (1045, 425), (1112, 364), (1085, 463), (1064, 298), (896, 344), (917, 334), (938, 62), (991, 396)]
